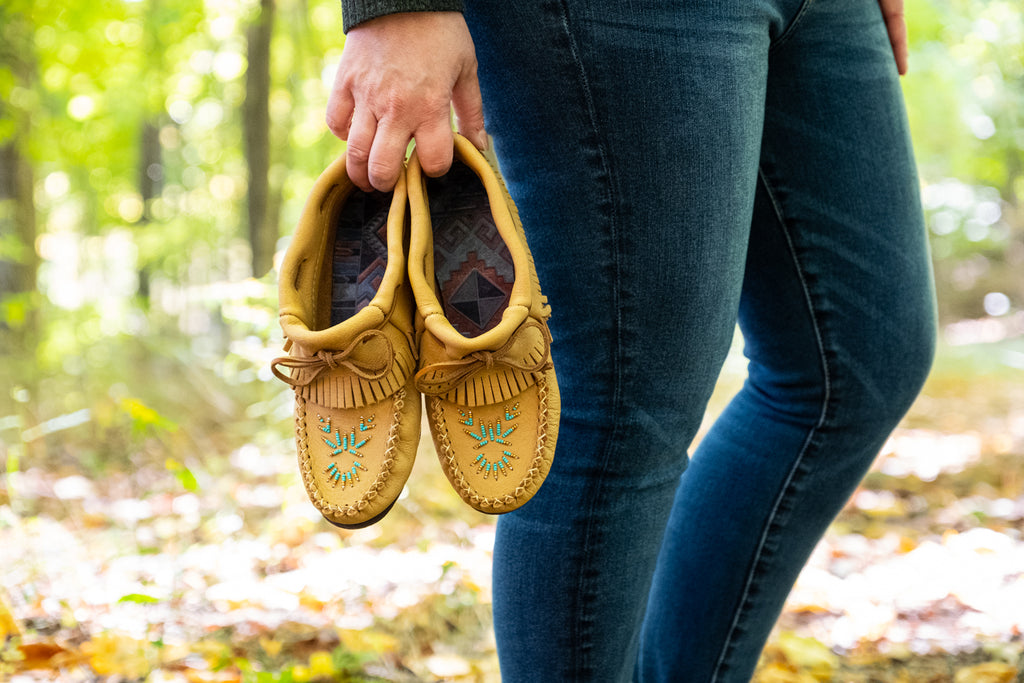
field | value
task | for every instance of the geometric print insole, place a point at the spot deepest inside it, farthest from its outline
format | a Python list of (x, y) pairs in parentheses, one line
[(472, 264), (360, 252)]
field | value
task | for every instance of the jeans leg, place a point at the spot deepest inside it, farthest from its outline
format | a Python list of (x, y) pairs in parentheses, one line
[(838, 320), (629, 134)]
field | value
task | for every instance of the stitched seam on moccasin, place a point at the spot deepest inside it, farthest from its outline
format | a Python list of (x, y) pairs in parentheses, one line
[(338, 513)]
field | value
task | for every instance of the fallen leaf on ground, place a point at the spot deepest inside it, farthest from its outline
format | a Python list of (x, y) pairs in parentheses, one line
[(448, 666), (44, 655), (206, 676), (8, 624), (116, 653), (780, 673), (367, 641), (270, 646), (989, 672), (808, 654)]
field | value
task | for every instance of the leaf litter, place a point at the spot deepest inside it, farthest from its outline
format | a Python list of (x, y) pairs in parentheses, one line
[(186, 571)]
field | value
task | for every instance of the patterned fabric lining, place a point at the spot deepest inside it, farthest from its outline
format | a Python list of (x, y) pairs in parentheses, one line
[(360, 253), (472, 264)]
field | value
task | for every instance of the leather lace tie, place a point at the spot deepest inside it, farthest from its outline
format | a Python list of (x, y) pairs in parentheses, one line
[(325, 360), (440, 378)]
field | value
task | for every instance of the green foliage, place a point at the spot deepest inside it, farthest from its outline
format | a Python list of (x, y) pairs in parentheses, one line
[(15, 309), (965, 97), (145, 418), (139, 599), (339, 665), (182, 474)]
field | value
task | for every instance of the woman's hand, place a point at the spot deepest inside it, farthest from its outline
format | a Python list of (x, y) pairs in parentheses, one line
[(895, 21), (398, 78)]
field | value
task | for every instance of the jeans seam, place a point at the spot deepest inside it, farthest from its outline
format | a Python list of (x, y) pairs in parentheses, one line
[(583, 637), (788, 31), (760, 553)]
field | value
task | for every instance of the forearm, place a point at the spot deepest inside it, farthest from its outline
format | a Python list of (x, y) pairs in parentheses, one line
[(354, 12)]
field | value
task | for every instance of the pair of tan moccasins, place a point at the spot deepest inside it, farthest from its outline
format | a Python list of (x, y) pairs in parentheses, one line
[(370, 327)]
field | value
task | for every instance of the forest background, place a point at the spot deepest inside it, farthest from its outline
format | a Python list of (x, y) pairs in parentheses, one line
[(154, 156)]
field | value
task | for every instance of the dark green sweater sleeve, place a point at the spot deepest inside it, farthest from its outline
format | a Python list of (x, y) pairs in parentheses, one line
[(354, 12)]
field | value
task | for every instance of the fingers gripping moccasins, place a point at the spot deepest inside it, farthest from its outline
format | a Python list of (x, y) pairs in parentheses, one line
[(485, 351), (347, 315)]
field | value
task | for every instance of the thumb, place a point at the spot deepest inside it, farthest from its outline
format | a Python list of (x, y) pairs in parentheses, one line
[(469, 108)]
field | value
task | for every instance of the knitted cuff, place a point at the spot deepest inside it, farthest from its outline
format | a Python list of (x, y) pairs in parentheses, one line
[(354, 12)]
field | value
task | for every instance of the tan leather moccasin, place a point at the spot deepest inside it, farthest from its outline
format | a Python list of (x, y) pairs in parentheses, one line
[(485, 364), (347, 316)]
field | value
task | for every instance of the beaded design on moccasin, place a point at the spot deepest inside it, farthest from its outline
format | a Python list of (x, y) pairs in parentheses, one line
[(347, 315), (485, 364)]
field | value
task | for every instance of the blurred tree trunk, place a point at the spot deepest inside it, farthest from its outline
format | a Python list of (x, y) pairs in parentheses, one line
[(17, 221), (263, 226), (19, 262), (150, 167), (150, 184)]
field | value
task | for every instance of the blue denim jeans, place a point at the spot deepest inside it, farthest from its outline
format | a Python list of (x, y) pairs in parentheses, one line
[(681, 166)]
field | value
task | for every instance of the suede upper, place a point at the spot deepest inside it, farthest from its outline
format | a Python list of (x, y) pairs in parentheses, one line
[(357, 413), (492, 399)]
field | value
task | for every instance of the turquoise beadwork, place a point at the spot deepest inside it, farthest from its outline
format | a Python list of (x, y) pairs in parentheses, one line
[(348, 443), (492, 432), (345, 444), (336, 476)]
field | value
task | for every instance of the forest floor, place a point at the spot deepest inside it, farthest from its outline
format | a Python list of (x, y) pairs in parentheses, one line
[(198, 558)]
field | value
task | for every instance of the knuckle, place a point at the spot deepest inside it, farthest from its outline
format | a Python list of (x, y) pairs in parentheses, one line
[(402, 106), (389, 99), (437, 103), (358, 154)]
